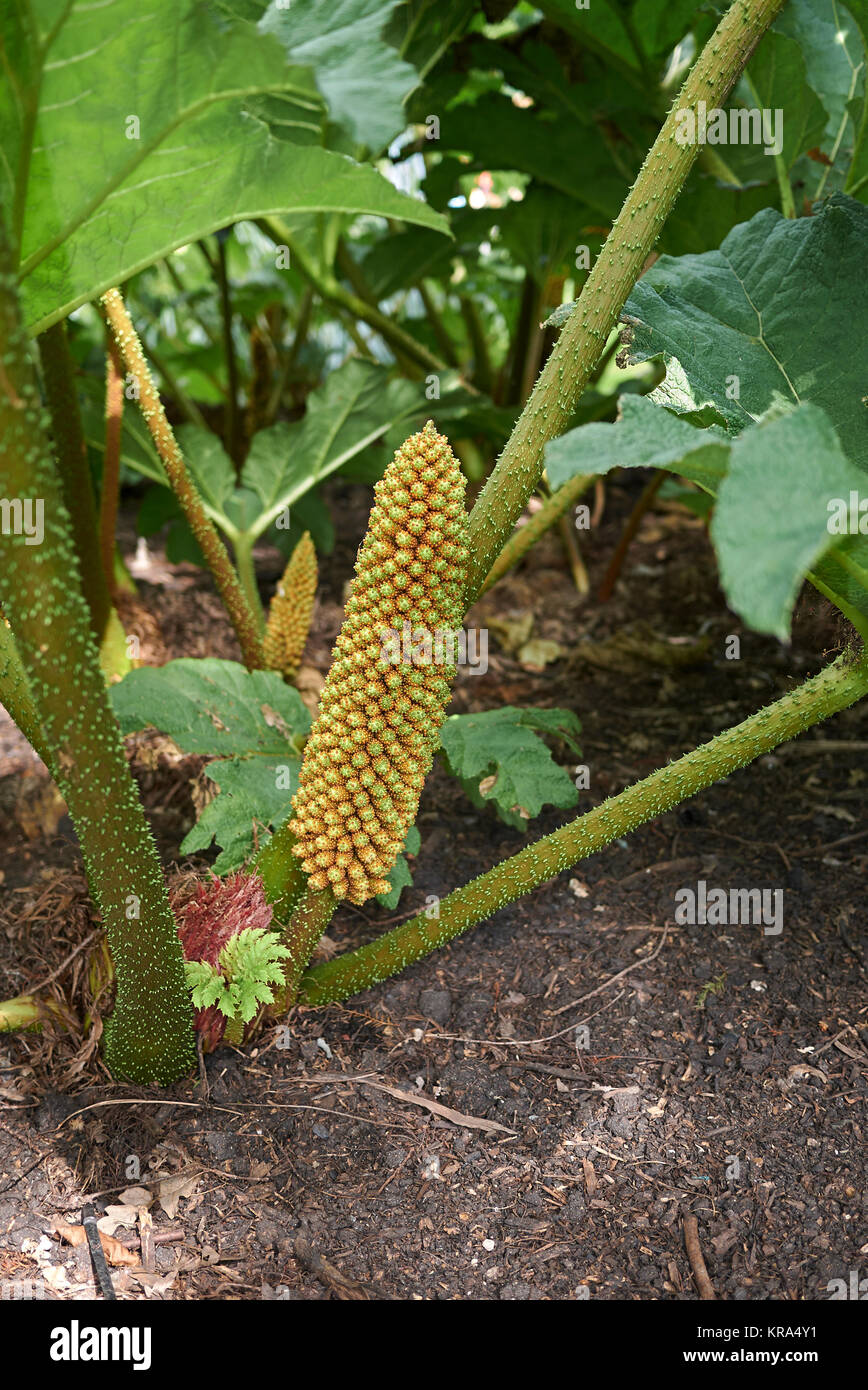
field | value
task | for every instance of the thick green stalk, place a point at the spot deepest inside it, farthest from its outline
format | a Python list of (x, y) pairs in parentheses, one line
[(840, 685), (618, 266), (522, 540), (241, 615), (150, 1034), (58, 374), (309, 921), (247, 575), (283, 878)]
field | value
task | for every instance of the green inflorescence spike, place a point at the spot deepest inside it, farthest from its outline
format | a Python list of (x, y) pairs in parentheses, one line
[(290, 611)]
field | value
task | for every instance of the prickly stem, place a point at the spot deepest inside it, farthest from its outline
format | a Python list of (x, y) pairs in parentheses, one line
[(834, 689), (150, 1034), (58, 374), (242, 617), (615, 272), (522, 540)]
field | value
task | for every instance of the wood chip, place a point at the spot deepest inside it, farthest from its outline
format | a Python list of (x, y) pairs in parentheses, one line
[(455, 1117)]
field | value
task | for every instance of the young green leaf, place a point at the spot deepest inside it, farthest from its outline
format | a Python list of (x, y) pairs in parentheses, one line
[(251, 721), (208, 986), (500, 760), (644, 436)]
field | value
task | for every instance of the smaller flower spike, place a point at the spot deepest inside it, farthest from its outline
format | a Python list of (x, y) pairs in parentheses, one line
[(384, 699), (291, 610)]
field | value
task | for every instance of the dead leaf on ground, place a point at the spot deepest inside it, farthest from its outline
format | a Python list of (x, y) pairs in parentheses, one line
[(173, 1189), (155, 1285), (136, 1197), (803, 1069), (512, 630), (117, 1215), (537, 654), (115, 1253)]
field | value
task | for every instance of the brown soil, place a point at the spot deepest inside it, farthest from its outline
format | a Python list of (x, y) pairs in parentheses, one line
[(722, 1074)]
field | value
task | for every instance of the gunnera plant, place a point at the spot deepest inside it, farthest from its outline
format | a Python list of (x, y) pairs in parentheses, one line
[(379, 721)]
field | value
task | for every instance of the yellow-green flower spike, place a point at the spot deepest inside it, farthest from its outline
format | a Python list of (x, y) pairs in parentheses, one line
[(291, 610), (386, 693)]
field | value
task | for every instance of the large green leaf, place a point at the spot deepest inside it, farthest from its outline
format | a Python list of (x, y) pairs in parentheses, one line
[(771, 523), (645, 436), (830, 43), (213, 707), (361, 76), (774, 484), (357, 404), (142, 142), (775, 317)]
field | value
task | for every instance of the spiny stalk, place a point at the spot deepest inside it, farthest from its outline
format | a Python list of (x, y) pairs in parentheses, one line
[(241, 615), (615, 272), (150, 1035), (840, 685), (58, 373)]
